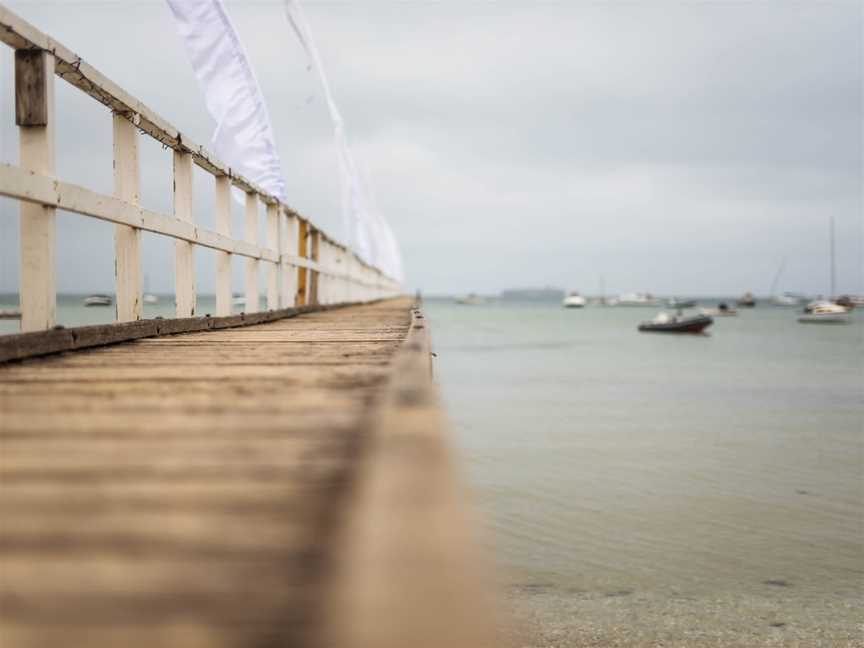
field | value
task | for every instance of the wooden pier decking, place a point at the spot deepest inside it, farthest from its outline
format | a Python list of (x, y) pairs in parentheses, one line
[(281, 484)]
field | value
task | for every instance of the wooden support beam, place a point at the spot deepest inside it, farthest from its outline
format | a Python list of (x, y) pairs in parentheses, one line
[(223, 259), (127, 240), (251, 233), (273, 268), (34, 114), (287, 234), (314, 251), (302, 247), (184, 270)]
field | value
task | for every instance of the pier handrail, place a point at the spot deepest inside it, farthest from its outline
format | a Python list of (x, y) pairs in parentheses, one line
[(304, 265)]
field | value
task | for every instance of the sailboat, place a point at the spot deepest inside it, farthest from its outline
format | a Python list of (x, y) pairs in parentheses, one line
[(826, 311), (787, 298)]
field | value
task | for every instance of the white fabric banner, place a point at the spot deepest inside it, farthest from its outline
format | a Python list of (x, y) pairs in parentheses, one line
[(369, 233), (243, 138)]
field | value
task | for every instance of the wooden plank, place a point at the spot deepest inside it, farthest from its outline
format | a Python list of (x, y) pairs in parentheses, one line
[(273, 301), (28, 345), (302, 252), (251, 235), (184, 265), (38, 226), (223, 259), (31, 99), (127, 240)]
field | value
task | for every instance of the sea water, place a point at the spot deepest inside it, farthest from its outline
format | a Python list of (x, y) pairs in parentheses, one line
[(655, 489)]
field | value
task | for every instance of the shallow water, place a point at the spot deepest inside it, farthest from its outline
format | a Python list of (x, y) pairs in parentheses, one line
[(628, 472)]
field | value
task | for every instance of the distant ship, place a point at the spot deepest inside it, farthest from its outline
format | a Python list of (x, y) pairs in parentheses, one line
[(98, 300), (574, 300)]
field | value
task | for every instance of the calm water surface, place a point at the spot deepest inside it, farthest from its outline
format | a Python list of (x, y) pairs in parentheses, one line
[(637, 469)]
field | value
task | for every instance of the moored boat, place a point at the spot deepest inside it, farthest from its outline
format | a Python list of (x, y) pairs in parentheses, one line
[(574, 300), (666, 323), (98, 300), (786, 299), (722, 310), (824, 312), (747, 300)]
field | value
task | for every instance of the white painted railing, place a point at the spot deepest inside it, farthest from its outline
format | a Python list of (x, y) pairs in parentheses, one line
[(303, 265)]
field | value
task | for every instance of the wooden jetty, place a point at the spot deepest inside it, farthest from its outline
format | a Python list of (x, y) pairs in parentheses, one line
[(274, 478)]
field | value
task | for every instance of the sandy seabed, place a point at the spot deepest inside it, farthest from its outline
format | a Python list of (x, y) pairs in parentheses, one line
[(549, 618)]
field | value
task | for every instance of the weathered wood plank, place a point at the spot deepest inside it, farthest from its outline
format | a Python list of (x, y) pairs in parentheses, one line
[(302, 252), (223, 259), (251, 235), (31, 81), (34, 84), (127, 240), (184, 264)]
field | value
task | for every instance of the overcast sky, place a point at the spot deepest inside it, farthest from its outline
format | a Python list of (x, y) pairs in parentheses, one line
[(673, 147)]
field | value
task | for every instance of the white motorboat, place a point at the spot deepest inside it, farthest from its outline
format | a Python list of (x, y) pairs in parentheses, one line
[(574, 300), (151, 299), (638, 299), (98, 300), (824, 312)]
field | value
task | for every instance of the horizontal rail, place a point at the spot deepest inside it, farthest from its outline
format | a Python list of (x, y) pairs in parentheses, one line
[(40, 189)]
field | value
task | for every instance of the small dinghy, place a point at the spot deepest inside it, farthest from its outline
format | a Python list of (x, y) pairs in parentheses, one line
[(666, 323)]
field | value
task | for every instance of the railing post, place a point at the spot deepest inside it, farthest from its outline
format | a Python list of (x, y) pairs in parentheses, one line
[(251, 233), (223, 259), (34, 116), (127, 240), (184, 270), (273, 268), (302, 237), (314, 254), (289, 277)]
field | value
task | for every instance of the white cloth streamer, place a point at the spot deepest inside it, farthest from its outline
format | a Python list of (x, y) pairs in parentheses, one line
[(243, 138), (369, 233)]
